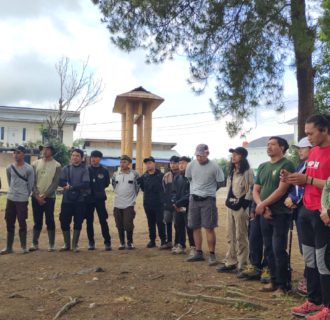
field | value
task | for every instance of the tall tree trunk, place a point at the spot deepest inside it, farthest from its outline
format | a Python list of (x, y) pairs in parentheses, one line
[(303, 40)]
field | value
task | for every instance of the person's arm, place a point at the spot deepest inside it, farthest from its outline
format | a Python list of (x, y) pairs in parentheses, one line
[(249, 177), (256, 193), (114, 184), (106, 178), (63, 177), (140, 181), (53, 186), (30, 180), (85, 182), (8, 171), (220, 177), (188, 172), (35, 189), (136, 183), (302, 179)]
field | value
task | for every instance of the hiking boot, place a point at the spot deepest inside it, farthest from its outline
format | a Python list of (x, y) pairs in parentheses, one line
[(212, 261), (306, 308), (91, 245), (265, 275), (270, 287), (151, 244), (302, 287), (280, 293), (67, 241), (166, 246), (122, 246), (107, 247), (198, 256), (251, 272), (75, 240), (324, 314), (22, 238), (130, 246), (35, 240), (230, 269), (51, 240), (10, 241), (179, 249)]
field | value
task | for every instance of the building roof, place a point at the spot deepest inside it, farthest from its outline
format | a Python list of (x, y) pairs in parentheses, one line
[(262, 142), (292, 121), (136, 95), (34, 115)]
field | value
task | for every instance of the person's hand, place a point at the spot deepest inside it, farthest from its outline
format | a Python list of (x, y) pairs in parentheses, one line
[(297, 179), (260, 208), (284, 175), (67, 187), (176, 208), (268, 214), (289, 203), (325, 217), (41, 200)]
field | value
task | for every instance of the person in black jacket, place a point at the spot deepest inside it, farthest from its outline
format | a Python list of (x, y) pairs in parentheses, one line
[(180, 200), (99, 181), (151, 184)]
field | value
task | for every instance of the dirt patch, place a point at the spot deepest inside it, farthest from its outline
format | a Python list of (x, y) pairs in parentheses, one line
[(139, 284)]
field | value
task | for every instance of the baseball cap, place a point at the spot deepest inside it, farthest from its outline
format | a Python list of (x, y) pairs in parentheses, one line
[(152, 159), (47, 145), (239, 150), (303, 143), (97, 154), (201, 149), (19, 148), (184, 158), (125, 157)]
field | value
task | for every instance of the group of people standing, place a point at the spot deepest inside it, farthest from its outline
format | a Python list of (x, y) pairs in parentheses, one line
[(261, 209)]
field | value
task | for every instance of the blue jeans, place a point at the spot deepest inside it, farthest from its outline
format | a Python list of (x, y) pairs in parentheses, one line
[(275, 235)]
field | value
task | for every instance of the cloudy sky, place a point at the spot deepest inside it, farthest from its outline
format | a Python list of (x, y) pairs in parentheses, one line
[(35, 34)]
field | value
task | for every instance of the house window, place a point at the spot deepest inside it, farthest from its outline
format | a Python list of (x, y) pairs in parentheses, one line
[(2, 133), (24, 134)]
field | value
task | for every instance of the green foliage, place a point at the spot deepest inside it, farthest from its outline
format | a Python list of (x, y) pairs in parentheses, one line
[(78, 143), (224, 164), (61, 153), (292, 155), (241, 45)]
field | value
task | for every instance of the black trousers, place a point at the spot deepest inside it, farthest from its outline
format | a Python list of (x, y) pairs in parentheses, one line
[(316, 251), (155, 217), (181, 228), (256, 245), (275, 234), (103, 216), (69, 211), (39, 211)]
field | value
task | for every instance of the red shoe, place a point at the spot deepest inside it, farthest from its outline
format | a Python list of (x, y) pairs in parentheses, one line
[(324, 314), (306, 308)]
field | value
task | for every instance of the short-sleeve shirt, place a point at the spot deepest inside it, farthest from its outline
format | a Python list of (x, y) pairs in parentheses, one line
[(268, 177), (318, 167), (204, 178)]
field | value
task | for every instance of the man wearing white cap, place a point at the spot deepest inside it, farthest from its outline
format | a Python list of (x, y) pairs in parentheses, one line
[(205, 177), (294, 199)]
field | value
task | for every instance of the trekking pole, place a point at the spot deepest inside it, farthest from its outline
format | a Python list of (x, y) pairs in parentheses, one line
[(290, 252)]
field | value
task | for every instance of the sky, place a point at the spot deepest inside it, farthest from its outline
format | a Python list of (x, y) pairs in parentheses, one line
[(35, 34)]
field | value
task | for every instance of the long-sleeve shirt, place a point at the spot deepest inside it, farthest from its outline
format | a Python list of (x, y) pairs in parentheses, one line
[(242, 184), (99, 181), (167, 182), (78, 178), (47, 176), (151, 185), (126, 188), (296, 193), (19, 189)]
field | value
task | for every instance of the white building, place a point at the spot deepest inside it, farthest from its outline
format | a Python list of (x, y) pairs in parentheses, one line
[(258, 149), (20, 125)]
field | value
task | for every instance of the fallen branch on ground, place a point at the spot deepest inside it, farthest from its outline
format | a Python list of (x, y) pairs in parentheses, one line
[(186, 313), (66, 307), (220, 300)]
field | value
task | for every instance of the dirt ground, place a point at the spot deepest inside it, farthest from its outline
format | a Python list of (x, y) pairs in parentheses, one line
[(135, 285)]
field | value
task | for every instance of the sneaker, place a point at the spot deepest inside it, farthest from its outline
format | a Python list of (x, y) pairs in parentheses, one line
[(280, 293), (91, 246), (34, 247), (174, 249), (130, 246), (212, 260), (240, 274), (25, 250), (302, 287), (151, 244), (269, 287), (107, 247), (251, 272), (180, 249), (198, 256), (324, 314), (227, 268), (192, 251), (265, 275), (122, 246), (166, 246), (306, 308)]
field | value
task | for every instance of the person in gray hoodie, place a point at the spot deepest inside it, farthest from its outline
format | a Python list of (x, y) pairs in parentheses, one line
[(20, 177)]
